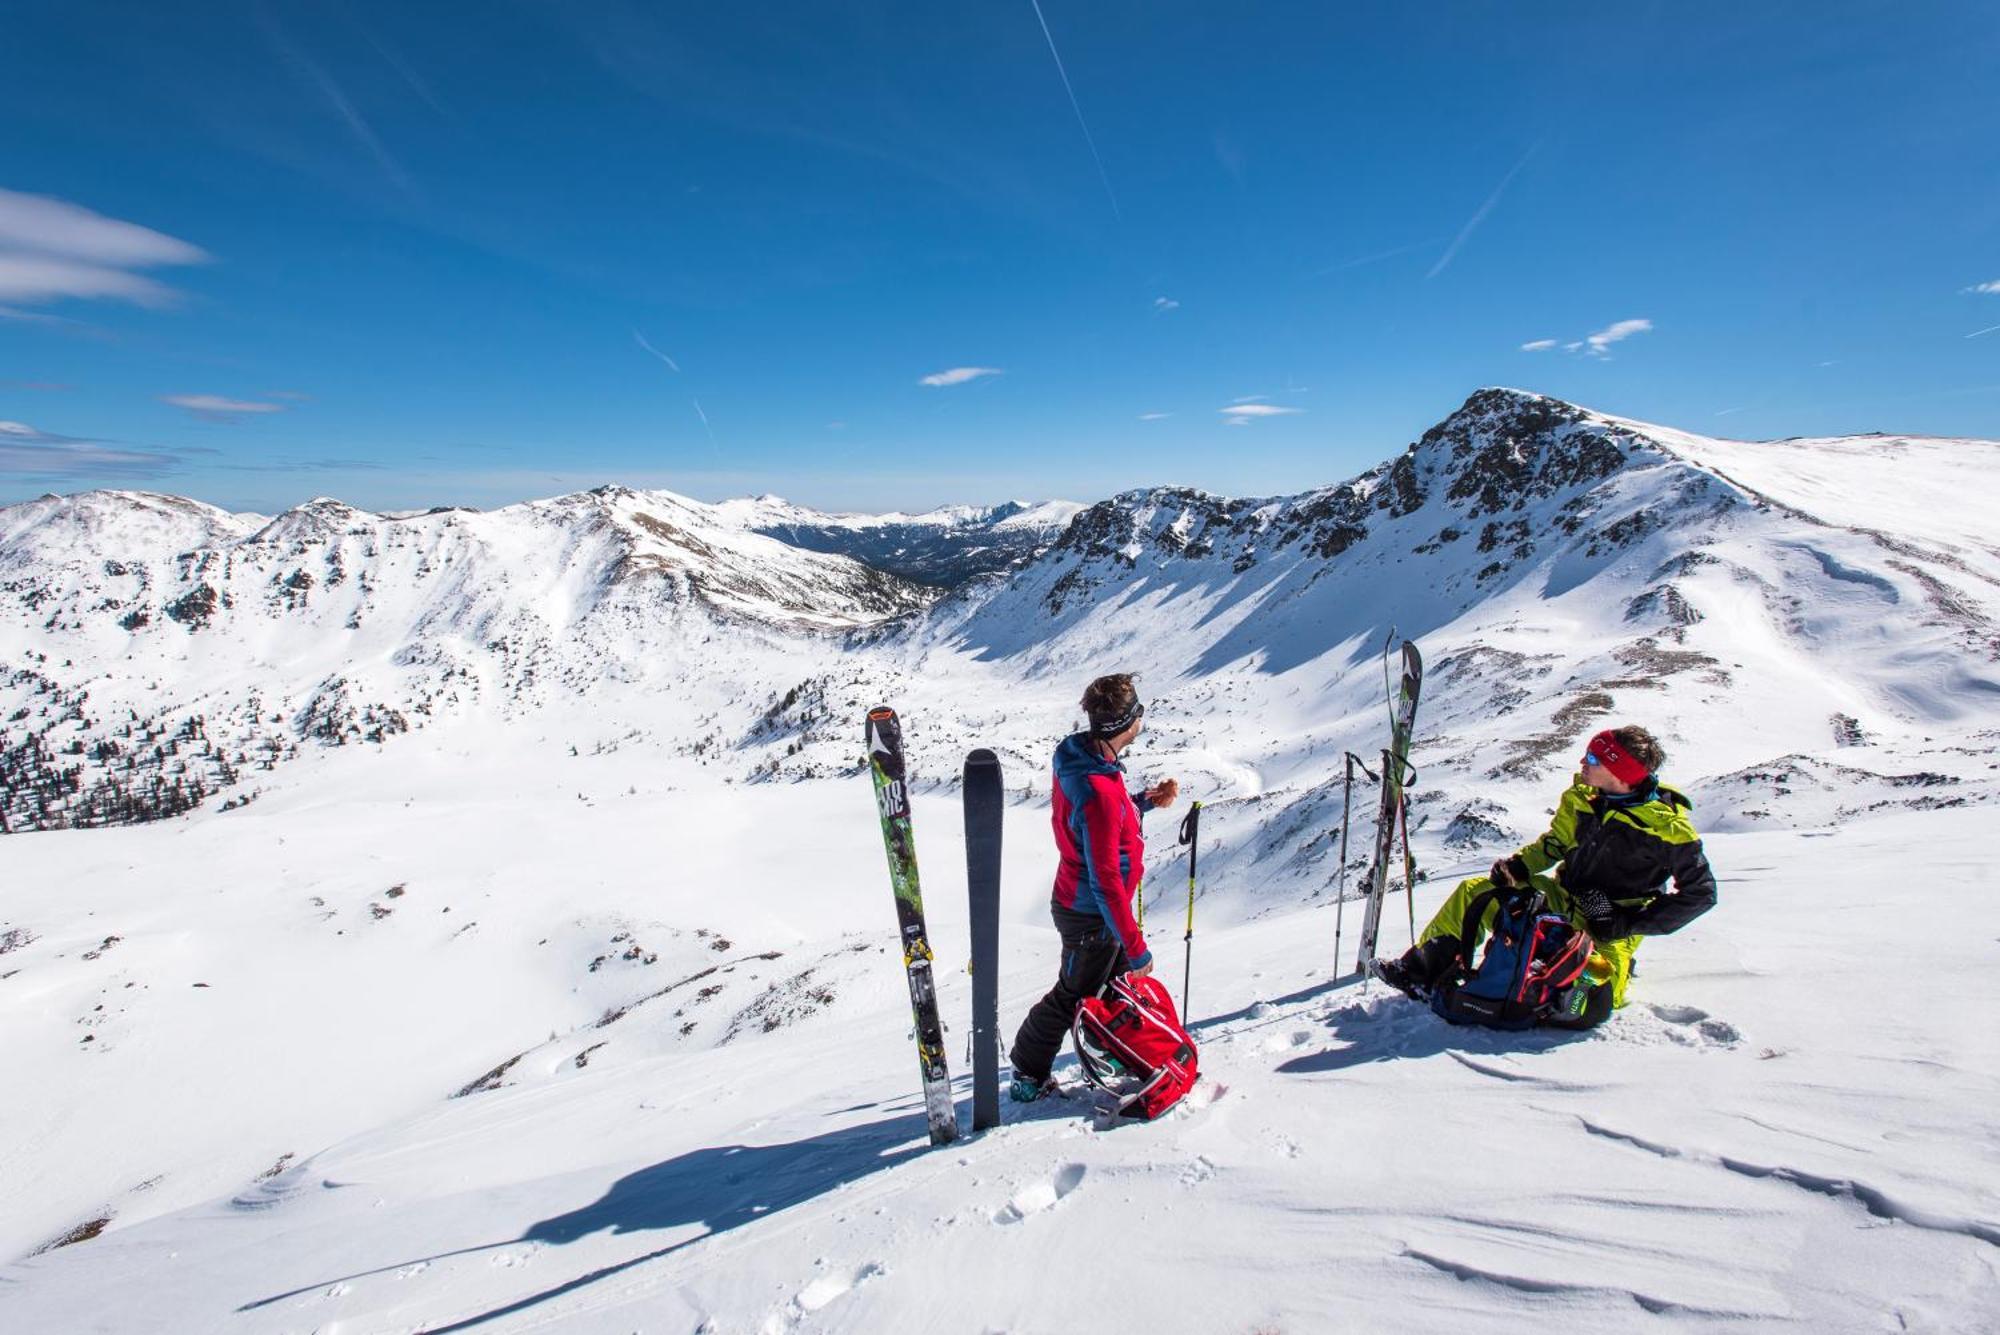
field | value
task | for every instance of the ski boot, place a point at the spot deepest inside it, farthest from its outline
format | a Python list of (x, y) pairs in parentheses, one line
[(1026, 1089), (1400, 975), (1419, 968)]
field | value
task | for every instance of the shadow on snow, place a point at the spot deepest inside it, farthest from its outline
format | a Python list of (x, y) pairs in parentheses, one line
[(1410, 1030), (720, 1187)]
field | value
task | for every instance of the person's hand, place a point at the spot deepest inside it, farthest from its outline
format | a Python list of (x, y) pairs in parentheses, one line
[(1502, 874), (1598, 914), (1163, 793), (1143, 973)]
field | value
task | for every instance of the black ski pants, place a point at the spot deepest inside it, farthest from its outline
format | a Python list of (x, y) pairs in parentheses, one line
[(1092, 956)]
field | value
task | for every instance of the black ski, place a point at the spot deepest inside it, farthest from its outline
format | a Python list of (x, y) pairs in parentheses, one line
[(983, 804), (1395, 770), (892, 799)]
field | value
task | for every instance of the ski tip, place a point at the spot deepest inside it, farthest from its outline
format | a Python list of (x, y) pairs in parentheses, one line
[(880, 713), (981, 756)]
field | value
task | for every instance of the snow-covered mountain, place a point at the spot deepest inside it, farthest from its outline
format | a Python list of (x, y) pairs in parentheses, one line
[(943, 547), (138, 623), (564, 992)]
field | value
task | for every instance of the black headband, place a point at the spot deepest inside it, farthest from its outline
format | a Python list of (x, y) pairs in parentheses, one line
[(1112, 727)]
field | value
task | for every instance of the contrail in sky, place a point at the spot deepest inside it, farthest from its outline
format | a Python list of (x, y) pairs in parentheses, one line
[(656, 352), (1377, 257), (1989, 329), (1102, 174), (704, 423), (1480, 216)]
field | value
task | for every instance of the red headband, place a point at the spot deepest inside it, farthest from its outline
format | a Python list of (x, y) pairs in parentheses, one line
[(1616, 758)]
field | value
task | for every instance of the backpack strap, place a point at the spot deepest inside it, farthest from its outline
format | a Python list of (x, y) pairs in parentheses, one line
[(1468, 934)]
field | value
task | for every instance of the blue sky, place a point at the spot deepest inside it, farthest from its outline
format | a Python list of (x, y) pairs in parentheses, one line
[(425, 254)]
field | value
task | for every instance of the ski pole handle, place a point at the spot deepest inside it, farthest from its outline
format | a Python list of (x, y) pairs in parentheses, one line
[(1190, 830)]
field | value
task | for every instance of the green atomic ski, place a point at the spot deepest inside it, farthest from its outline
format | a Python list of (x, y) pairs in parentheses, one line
[(892, 799)]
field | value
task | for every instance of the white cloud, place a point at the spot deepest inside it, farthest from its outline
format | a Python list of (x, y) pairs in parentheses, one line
[(1615, 333), (14, 431), (1593, 345), (1252, 398), (39, 278), (1992, 287), (1153, 417), (51, 250), (56, 227), (1245, 411), (29, 452), (958, 375), (215, 408), (1165, 304)]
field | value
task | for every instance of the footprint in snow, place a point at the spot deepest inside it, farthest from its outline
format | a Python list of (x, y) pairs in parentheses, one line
[(1198, 1171), (1298, 1038), (1695, 1027), (1039, 1196), (825, 1288)]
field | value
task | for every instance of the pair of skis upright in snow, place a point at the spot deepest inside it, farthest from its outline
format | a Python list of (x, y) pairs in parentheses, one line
[(983, 801), (1396, 773)]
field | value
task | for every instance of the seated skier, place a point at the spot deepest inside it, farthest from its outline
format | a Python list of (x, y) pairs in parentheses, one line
[(1102, 858), (1619, 835)]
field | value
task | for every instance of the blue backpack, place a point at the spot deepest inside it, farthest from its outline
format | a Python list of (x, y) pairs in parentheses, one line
[(1532, 972)]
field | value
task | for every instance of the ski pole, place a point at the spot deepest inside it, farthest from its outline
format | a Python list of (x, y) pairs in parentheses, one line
[(1340, 882), (1190, 827)]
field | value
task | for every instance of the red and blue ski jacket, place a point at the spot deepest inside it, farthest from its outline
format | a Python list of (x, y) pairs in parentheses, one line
[(1097, 832)]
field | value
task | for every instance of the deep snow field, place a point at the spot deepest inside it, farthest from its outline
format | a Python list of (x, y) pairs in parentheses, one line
[(576, 1006), (1793, 1125)]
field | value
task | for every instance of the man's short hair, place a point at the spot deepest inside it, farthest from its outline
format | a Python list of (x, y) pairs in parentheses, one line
[(1641, 745), (1108, 699)]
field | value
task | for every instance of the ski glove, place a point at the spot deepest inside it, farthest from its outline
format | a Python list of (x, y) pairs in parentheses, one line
[(1603, 920), (1509, 871)]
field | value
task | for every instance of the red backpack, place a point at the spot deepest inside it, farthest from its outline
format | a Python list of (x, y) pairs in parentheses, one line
[(1130, 1044)]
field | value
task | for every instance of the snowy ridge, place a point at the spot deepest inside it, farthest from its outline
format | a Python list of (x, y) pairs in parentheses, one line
[(578, 1006)]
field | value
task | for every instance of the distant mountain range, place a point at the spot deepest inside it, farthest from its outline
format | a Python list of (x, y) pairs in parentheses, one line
[(154, 650)]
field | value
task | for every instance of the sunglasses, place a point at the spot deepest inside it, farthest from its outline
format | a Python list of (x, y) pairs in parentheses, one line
[(1590, 758)]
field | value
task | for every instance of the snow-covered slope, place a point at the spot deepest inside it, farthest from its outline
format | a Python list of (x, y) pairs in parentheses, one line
[(559, 1013), (173, 649)]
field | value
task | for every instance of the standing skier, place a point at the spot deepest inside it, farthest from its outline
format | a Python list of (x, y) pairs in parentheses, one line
[(1103, 857), (1619, 835)]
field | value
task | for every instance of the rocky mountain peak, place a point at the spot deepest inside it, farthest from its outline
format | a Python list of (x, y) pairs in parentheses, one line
[(1506, 447)]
